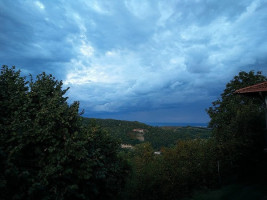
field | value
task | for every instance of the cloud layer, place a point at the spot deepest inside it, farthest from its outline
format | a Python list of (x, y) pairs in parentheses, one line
[(147, 61)]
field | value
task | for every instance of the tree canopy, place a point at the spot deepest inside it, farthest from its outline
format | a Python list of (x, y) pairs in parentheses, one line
[(237, 122), (45, 151), (236, 115)]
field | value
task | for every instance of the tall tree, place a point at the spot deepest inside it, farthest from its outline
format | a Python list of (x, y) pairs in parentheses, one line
[(236, 115), (13, 120), (238, 121), (45, 151)]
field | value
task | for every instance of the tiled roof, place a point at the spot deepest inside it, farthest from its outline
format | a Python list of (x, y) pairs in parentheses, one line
[(261, 87)]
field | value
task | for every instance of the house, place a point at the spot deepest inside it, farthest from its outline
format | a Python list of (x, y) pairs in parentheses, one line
[(126, 146), (139, 130)]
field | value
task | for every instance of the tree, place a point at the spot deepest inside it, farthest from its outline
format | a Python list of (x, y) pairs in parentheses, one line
[(13, 101), (237, 121), (145, 180), (45, 151)]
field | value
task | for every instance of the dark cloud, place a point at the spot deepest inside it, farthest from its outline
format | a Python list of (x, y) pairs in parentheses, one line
[(147, 61), (33, 39)]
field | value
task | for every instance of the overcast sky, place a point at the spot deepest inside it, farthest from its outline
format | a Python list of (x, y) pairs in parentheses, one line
[(150, 61)]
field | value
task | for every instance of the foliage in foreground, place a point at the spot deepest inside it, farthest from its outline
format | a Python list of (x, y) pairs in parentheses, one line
[(45, 152), (237, 123), (173, 174)]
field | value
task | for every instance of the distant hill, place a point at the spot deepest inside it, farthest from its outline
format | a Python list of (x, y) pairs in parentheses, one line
[(178, 124), (133, 132)]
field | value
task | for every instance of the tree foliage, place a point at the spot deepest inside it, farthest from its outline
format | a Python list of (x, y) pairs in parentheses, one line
[(45, 151), (237, 115), (175, 173), (237, 122)]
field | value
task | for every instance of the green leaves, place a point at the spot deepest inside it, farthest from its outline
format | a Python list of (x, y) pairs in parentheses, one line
[(175, 173), (45, 151), (232, 110), (238, 123)]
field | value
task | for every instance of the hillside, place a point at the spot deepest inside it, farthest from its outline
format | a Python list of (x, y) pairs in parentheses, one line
[(135, 132)]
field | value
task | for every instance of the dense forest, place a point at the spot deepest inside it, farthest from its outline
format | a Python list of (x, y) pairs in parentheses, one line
[(49, 151)]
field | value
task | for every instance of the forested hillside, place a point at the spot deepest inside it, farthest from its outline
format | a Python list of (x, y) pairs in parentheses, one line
[(133, 133)]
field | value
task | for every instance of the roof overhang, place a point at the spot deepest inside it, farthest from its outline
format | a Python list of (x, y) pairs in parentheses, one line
[(253, 90)]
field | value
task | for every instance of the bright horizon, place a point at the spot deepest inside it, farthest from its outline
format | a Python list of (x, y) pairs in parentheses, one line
[(147, 61)]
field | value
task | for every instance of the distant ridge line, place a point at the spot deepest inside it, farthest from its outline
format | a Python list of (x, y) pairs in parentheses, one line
[(154, 124), (178, 124)]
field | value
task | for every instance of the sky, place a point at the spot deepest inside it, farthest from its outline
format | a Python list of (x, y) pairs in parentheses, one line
[(138, 60)]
